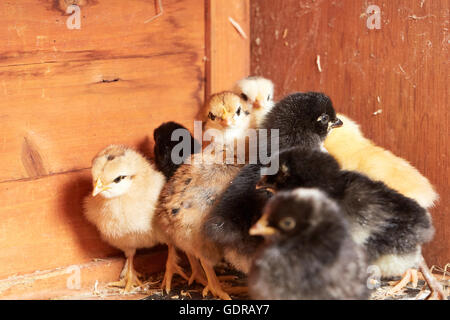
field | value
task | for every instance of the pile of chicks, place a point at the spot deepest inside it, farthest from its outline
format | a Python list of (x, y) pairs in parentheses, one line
[(336, 205)]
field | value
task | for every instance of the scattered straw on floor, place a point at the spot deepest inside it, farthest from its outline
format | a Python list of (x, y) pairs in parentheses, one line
[(234, 281), (183, 292)]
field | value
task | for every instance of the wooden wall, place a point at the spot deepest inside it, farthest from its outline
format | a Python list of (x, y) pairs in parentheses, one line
[(227, 49), (66, 94), (401, 68)]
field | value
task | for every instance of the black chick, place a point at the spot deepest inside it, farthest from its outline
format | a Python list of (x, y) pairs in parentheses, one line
[(164, 146), (302, 119), (238, 208), (391, 227), (309, 253)]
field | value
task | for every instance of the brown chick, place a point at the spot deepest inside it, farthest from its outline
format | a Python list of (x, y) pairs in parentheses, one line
[(189, 195), (356, 153), (229, 114), (122, 204)]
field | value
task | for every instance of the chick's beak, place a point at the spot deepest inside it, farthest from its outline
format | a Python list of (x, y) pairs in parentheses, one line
[(261, 228), (98, 187), (337, 123), (257, 103), (262, 184), (225, 112)]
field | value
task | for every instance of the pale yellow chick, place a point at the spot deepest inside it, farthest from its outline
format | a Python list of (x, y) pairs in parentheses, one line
[(122, 204), (258, 92), (355, 152)]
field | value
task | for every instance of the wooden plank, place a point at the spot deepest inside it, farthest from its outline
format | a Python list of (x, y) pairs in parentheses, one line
[(62, 283), (401, 68), (228, 52), (43, 227), (35, 31), (114, 75), (55, 117)]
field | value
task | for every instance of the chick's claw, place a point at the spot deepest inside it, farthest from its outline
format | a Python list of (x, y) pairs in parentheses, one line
[(227, 278), (129, 280), (409, 276), (197, 274), (237, 290), (213, 283), (216, 292)]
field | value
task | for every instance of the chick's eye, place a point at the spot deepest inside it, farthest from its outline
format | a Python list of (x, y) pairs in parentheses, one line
[(324, 118), (238, 111), (119, 178), (287, 223), (244, 96), (211, 116), (268, 97)]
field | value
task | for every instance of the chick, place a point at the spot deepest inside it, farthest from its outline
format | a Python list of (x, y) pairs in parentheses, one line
[(189, 195), (235, 211), (391, 227), (355, 152), (229, 114), (309, 252), (257, 91), (164, 145), (302, 119), (122, 204)]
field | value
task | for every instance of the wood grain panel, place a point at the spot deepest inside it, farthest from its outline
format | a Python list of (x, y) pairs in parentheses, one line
[(35, 31), (42, 224), (52, 284), (56, 116), (401, 69), (228, 51)]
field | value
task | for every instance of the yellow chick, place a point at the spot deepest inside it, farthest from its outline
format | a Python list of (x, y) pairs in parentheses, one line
[(355, 152), (122, 204), (258, 92)]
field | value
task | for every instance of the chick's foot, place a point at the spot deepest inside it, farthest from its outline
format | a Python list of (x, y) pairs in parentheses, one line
[(213, 283), (130, 278), (437, 292), (236, 290), (172, 267), (197, 274), (409, 276)]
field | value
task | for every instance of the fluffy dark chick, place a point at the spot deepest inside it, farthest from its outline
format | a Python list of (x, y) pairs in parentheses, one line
[(164, 146), (302, 119), (389, 225), (309, 252)]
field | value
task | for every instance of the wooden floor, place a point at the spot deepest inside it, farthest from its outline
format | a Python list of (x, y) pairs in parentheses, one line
[(97, 274)]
